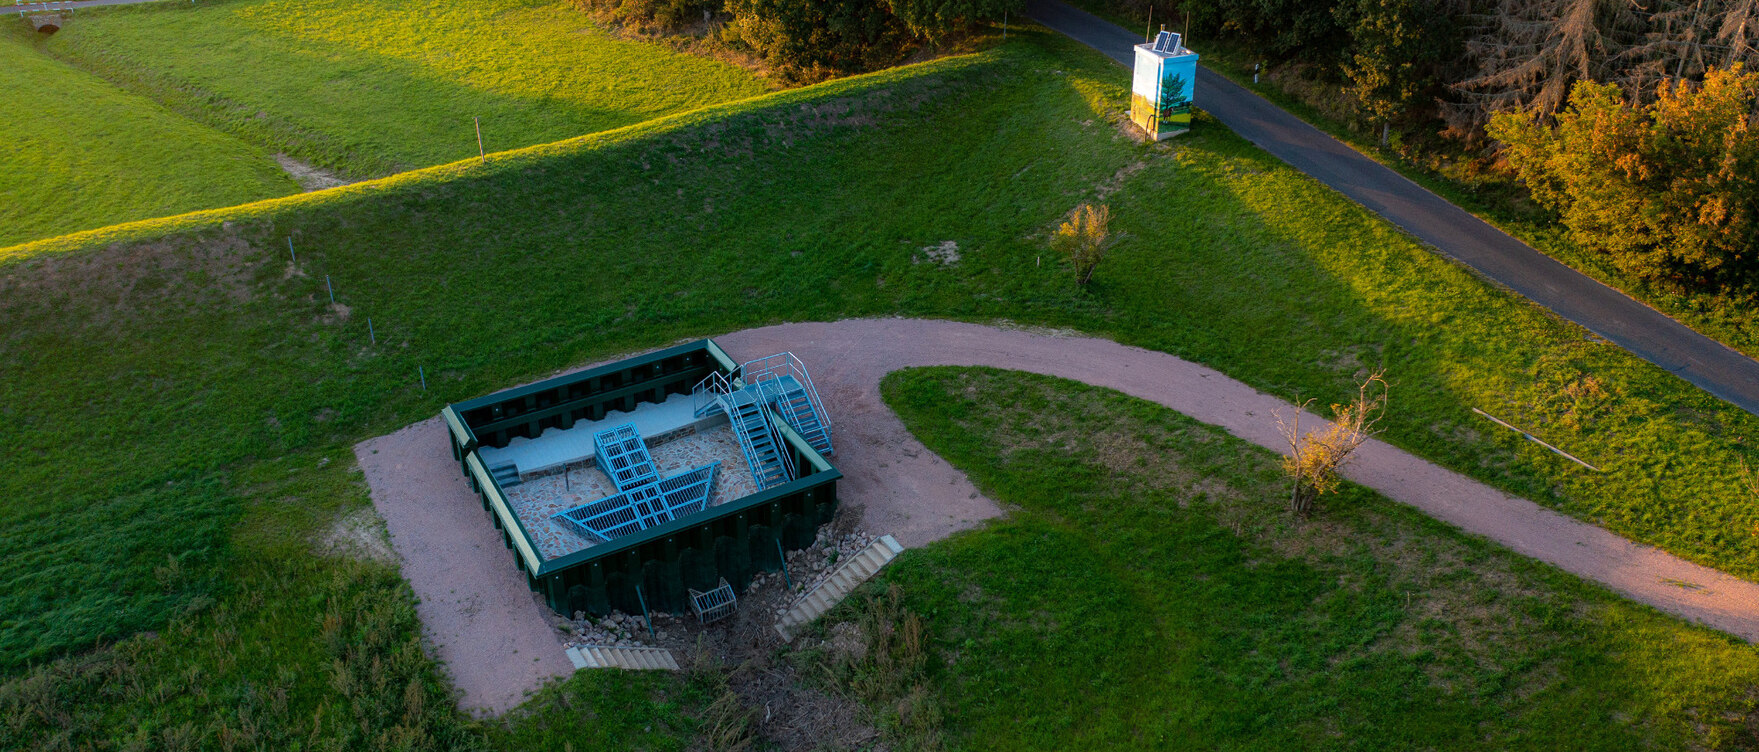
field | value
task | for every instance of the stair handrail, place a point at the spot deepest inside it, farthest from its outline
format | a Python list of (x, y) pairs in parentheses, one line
[(708, 392), (772, 367), (750, 451), (782, 450)]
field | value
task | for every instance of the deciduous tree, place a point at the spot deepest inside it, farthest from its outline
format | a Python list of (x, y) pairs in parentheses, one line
[(1315, 457), (1668, 190)]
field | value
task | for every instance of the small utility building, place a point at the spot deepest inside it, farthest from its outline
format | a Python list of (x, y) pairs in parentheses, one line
[(626, 486), (1163, 86)]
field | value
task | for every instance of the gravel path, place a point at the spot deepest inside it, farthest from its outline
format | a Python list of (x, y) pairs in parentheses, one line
[(484, 622)]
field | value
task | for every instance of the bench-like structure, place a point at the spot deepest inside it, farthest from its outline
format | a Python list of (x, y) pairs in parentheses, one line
[(623, 456)]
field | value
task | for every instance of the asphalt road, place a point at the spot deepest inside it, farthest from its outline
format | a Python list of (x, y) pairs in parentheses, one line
[(1453, 231)]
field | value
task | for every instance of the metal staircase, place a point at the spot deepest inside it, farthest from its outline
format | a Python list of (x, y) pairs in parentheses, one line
[(782, 380), (771, 463)]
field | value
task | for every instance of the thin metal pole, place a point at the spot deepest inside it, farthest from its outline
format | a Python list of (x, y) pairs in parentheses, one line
[(424, 377), (369, 330), (784, 555), (330, 288), (1536, 440), (479, 140), (645, 616), (290, 252), (1004, 23)]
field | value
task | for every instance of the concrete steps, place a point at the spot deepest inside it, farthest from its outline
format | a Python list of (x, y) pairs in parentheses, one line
[(633, 659), (848, 574), (506, 475)]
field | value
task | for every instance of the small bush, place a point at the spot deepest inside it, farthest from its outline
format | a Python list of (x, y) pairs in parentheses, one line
[(1314, 457), (1085, 238)]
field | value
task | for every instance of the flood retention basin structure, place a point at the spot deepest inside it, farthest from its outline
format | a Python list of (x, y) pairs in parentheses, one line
[(656, 567)]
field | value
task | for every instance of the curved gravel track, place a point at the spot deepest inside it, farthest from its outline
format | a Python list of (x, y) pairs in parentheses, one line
[(498, 643)]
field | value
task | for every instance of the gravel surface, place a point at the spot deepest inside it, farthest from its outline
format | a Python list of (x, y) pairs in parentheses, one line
[(484, 622)]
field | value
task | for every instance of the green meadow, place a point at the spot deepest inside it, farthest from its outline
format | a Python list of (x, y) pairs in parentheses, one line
[(1150, 591), (180, 400), (81, 154), (369, 88)]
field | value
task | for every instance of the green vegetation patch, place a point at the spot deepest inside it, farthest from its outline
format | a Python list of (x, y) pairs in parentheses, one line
[(196, 348), (82, 154), (1152, 591), (368, 88)]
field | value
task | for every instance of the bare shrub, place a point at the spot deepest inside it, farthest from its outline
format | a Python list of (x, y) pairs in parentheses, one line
[(1085, 238), (1314, 457)]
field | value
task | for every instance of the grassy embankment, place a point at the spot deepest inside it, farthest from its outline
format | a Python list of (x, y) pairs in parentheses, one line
[(372, 87), (1152, 592), (180, 399), (149, 111), (82, 154)]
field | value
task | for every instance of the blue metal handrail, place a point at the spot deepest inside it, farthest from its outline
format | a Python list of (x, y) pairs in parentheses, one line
[(785, 363)]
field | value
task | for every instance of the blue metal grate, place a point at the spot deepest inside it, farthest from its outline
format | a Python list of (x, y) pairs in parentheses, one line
[(622, 454), (637, 509)]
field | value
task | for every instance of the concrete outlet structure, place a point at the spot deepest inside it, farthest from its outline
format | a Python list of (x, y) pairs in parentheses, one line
[(626, 486)]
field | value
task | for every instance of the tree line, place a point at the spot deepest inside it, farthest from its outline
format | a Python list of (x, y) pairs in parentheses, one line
[(809, 39)]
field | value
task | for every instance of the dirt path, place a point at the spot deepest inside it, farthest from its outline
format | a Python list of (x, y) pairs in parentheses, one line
[(485, 623)]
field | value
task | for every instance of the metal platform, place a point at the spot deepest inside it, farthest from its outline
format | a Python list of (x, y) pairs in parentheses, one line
[(642, 507)]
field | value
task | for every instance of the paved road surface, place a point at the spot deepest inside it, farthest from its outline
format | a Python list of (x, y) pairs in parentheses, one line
[(498, 645), (1649, 334)]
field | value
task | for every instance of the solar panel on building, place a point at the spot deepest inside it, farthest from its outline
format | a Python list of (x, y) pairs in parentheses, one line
[(1167, 42)]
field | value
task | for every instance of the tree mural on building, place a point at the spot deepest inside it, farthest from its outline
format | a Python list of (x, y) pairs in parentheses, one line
[(1172, 97)]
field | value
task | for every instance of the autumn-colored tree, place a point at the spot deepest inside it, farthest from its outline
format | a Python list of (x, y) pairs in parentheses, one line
[(1315, 457), (1668, 190), (819, 37), (1084, 238)]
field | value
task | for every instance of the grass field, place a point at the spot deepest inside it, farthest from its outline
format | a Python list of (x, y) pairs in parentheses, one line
[(180, 397), (80, 154), (1151, 591), (372, 87)]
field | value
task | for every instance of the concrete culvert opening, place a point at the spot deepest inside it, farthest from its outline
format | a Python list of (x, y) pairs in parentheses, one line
[(46, 23)]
